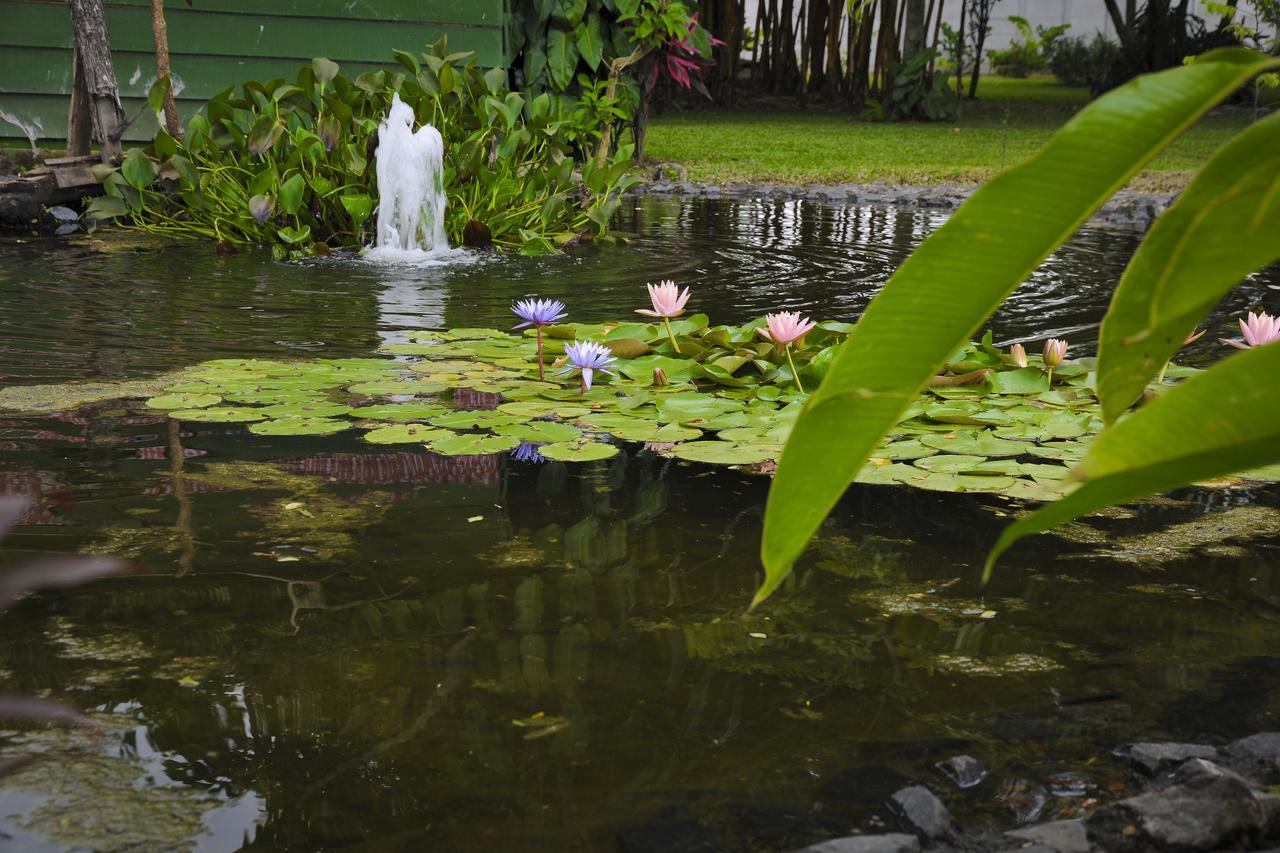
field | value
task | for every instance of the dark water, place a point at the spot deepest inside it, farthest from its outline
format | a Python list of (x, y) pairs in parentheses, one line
[(331, 646)]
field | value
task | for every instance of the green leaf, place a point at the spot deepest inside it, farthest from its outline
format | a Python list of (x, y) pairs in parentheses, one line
[(589, 36), (137, 169), (568, 12), (183, 401), (264, 134), (495, 80), (943, 292), (218, 415), (358, 207), (299, 426), (106, 207), (156, 94), (562, 57), (1223, 227), (1223, 421), (295, 235), (324, 69), (291, 194), (406, 434), (724, 452), (576, 451)]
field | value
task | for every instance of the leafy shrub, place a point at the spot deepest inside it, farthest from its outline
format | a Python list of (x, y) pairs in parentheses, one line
[(1030, 53), (1076, 62), (287, 164), (916, 94)]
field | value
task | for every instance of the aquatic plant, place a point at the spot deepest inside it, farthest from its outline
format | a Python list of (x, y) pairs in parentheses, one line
[(539, 313), (287, 163), (586, 357), (1257, 330), (1018, 355), (1224, 226), (668, 302), (784, 329), (1055, 350)]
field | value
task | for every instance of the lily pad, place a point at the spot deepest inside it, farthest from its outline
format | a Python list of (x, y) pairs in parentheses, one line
[(578, 451), (317, 409), (717, 452), (384, 387), (399, 411), (475, 419), (473, 444), (548, 431), (907, 449), (653, 431), (406, 434), (221, 414), (183, 401), (974, 444), (300, 426)]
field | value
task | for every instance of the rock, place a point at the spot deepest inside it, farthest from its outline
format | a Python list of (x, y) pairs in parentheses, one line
[(1257, 755), (1206, 812), (1153, 758), (1194, 770), (1061, 836), (891, 843), (62, 213), (965, 770), (924, 814)]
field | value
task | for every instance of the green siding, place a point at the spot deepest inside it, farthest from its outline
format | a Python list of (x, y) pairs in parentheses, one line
[(215, 43)]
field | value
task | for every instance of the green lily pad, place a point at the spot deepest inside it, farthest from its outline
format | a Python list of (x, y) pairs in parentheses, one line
[(950, 464), (939, 482), (183, 401), (715, 452), (475, 419), (405, 434), (1024, 380), (1067, 451), (399, 411), (300, 426), (473, 444), (907, 449), (542, 408), (653, 431), (384, 387), (548, 431), (578, 451), (974, 444), (317, 409), (220, 414), (895, 472)]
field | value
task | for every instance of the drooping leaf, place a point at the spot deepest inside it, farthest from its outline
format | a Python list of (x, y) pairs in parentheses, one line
[(324, 69), (291, 193), (589, 36), (562, 56), (358, 207), (1223, 227), (944, 291), (137, 169), (1224, 421), (156, 94)]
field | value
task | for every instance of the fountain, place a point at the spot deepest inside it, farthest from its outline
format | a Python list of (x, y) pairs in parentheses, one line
[(410, 188)]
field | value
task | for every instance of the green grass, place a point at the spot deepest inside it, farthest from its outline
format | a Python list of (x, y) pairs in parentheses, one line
[(1010, 120)]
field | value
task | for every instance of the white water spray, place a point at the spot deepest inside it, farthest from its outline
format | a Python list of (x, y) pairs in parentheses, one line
[(410, 188)]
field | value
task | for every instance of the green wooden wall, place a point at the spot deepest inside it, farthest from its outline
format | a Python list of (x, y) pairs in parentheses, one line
[(215, 43)]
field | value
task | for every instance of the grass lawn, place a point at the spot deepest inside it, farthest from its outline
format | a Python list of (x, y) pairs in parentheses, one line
[(1008, 122)]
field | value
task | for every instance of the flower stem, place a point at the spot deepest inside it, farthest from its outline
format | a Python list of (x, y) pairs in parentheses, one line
[(671, 334), (542, 370), (794, 376), (1050, 377), (1160, 378)]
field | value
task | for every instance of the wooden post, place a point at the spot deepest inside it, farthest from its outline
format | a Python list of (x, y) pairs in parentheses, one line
[(93, 59), (161, 33), (80, 115)]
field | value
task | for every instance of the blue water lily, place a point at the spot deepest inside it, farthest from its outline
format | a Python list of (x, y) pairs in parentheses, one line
[(586, 357), (528, 452), (539, 313)]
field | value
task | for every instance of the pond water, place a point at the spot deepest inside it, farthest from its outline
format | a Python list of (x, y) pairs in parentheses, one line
[(335, 646)]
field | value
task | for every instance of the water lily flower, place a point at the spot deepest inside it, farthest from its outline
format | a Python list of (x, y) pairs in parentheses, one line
[(668, 302), (586, 357), (660, 378), (1018, 353), (1055, 350), (784, 328), (528, 452), (539, 313), (1259, 329)]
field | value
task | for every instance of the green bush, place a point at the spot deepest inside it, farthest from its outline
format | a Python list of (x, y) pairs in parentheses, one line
[(1030, 53), (1077, 62), (287, 164)]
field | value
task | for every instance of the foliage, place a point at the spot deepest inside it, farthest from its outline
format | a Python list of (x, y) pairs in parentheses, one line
[(1028, 54), (968, 266), (915, 94), (951, 55), (288, 163), (1077, 62)]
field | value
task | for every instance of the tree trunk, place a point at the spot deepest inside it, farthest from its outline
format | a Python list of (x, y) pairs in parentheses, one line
[(964, 5), (160, 31), (860, 64), (937, 29), (93, 51), (80, 115), (913, 32), (835, 18), (982, 23), (816, 36)]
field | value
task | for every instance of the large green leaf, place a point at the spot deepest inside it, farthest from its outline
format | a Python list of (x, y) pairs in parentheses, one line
[(590, 40), (942, 293), (137, 169), (1225, 226), (562, 57), (1223, 421)]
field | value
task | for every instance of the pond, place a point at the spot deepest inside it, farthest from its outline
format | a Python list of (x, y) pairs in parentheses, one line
[(332, 645)]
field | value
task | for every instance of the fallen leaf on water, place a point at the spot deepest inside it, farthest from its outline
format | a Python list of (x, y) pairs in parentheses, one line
[(987, 614), (188, 681), (473, 519)]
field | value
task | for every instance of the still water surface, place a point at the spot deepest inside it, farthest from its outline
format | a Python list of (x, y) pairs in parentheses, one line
[(336, 647)]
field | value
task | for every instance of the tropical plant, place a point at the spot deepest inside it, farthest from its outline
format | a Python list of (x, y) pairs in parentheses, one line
[(915, 94), (1077, 62), (287, 164), (1027, 54), (1225, 225)]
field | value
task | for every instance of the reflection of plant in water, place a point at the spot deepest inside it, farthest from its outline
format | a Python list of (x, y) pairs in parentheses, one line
[(870, 557)]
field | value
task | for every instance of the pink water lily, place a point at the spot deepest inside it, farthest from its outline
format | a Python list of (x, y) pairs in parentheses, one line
[(1055, 350), (1018, 354), (785, 327), (1259, 329), (667, 300)]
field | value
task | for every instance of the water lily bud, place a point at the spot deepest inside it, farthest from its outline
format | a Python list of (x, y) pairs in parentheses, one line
[(1055, 351), (659, 378), (1018, 354)]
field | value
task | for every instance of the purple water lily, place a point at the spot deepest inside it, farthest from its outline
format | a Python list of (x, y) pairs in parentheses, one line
[(586, 357), (528, 452), (539, 313)]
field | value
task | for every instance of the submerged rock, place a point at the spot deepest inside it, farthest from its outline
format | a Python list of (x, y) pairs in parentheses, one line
[(890, 843), (1151, 759), (924, 814)]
